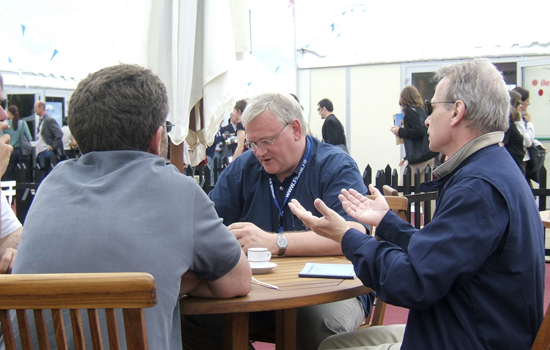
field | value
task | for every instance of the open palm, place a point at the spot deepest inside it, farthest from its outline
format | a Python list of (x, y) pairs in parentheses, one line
[(361, 208)]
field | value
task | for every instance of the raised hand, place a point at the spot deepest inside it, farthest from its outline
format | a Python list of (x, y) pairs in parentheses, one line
[(331, 225), (361, 208)]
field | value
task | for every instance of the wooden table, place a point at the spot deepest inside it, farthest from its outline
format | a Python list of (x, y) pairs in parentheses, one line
[(294, 292)]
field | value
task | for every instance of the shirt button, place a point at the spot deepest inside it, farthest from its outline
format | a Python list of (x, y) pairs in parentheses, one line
[(281, 188)]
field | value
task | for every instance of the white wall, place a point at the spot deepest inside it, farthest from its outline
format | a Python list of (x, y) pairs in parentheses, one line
[(373, 100)]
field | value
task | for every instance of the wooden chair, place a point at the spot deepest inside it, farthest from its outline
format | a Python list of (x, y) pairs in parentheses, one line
[(130, 292), (398, 204), (542, 341)]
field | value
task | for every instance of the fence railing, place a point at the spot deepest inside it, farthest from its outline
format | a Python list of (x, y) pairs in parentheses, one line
[(419, 212), (425, 200)]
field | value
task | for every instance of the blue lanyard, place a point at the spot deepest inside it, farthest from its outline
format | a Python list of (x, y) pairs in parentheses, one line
[(290, 188)]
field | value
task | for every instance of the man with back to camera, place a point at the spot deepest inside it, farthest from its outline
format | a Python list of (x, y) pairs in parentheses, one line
[(10, 227), (332, 130), (49, 137), (251, 196), (473, 278), (131, 212)]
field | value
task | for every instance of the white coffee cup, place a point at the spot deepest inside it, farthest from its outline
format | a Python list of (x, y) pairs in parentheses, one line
[(258, 257)]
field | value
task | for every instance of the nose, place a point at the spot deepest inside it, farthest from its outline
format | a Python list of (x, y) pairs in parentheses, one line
[(260, 151)]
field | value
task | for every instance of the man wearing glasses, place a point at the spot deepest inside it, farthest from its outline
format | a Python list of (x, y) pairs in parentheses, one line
[(473, 278), (251, 196), (11, 228)]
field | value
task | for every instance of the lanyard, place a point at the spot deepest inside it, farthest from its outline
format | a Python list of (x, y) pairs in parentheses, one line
[(290, 188)]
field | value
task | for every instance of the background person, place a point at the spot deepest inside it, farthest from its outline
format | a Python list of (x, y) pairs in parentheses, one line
[(10, 227), (459, 275), (332, 130), (234, 132), (16, 128), (413, 130), (251, 196), (69, 144), (513, 139), (527, 129), (132, 211), (49, 137)]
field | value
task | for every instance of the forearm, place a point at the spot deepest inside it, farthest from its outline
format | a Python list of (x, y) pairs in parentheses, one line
[(11, 240), (308, 243), (235, 283)]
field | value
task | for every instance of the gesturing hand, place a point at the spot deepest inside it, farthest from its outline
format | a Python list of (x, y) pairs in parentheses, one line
[(250, 236), (331, 225), (361, 208)]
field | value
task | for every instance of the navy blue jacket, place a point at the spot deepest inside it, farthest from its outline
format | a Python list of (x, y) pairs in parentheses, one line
[(473, 278)]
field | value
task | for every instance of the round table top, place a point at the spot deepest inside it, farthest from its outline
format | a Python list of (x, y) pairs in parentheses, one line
[(294, 291)]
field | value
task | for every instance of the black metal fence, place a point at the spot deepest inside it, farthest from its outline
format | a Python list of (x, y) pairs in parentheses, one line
[(425, 200), (420, 203)]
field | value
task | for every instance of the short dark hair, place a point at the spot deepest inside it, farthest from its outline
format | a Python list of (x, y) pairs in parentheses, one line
[(240, 105), (117, 108), (326, 103), (523, 92)]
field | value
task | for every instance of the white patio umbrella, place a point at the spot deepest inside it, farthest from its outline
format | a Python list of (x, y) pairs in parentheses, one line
[(192, 47)]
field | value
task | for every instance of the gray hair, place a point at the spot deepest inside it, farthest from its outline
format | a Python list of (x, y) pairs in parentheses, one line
[(117, 108), (284, 106), (482, 89)]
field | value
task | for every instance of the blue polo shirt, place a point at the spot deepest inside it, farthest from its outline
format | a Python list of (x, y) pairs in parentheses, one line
[(243, 192)]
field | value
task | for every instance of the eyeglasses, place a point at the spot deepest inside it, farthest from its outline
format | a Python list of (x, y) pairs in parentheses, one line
[(4, 103), (263, 143), (168, 126), (428, 106), (318, 109)]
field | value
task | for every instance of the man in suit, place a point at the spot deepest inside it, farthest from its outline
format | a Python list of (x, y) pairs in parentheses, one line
[(49, 137), (332, 130)]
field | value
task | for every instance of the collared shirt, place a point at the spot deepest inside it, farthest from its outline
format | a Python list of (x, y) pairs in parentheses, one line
[(243, 194), (41, 145)]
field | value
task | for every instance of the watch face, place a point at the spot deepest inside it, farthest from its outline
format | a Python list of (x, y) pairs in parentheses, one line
[(282, 241)]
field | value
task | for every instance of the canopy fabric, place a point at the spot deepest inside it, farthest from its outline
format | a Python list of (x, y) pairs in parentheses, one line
[(192, 49)]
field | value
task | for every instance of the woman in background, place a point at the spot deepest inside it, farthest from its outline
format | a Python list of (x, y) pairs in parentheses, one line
[(413, 127), (17, 128), (513, 139), (527, 129)]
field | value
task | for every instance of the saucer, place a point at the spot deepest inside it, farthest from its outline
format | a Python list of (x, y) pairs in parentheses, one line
[(264, 269)]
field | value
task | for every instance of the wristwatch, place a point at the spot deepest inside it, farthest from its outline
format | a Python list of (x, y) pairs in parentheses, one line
[(282, 243)]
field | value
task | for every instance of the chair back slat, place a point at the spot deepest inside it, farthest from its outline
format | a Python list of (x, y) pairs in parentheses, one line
[(398, 204), (59, 327), (130, 292), (136, 335), (41, 329), (78, 329), (7, 330), (112, 329), (542, 341), (24, 329), (95, 329)]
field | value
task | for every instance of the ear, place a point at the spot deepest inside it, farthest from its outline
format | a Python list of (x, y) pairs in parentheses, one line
[(459, 111), (297, 129), (154, 144)]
